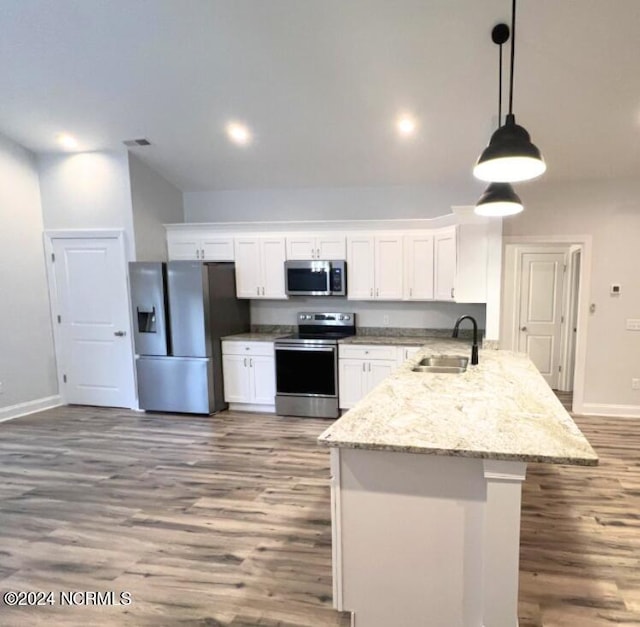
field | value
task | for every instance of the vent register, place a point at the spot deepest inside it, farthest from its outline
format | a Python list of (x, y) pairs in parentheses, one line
[(132, 143)]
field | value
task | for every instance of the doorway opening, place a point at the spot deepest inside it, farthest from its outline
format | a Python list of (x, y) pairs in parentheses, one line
[(544, 311)]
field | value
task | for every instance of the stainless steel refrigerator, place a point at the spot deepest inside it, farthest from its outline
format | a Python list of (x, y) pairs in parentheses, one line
[(181, 309)]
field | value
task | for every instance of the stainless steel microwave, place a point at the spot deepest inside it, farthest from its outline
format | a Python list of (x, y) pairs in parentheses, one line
[(315, 278)]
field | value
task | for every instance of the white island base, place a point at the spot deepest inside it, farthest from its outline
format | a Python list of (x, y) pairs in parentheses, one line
[(425, 540)]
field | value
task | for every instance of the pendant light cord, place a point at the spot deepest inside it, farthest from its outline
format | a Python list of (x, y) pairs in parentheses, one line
[(500, 89), (513, 47)]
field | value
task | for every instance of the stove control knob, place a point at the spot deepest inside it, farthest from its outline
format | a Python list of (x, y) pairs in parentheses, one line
[(307, 317), (347, 317), (340, 317)]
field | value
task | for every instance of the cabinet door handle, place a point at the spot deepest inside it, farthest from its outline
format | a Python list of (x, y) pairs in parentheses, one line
[(410, 291), (250, 362), (258, 291), (317, 253), (364, 367), (377, 292), (371, 292), (202, 253), (263, 291), (452, 292), (523, 328), (245, 362), (369, 366), (119, 333)]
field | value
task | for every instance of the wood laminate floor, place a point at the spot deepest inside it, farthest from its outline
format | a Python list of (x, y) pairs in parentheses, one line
[(225, 521)]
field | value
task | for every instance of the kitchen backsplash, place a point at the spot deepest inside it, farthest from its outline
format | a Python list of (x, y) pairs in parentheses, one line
[(371, 314)]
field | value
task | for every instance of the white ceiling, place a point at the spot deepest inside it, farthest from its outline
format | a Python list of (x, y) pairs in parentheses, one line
[(320, 82)]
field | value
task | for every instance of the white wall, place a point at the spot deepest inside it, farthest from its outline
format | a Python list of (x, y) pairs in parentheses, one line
[(87, 191), (155, 202), (370, 314), (27, 359), (340, 203), (610, 213)]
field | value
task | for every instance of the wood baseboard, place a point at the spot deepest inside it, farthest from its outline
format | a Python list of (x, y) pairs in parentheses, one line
[(603, 409), (30, 407)]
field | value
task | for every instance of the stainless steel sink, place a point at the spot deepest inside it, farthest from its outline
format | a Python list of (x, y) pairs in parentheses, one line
[(442, 364)]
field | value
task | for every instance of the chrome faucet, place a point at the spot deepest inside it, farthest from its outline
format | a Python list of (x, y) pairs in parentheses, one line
[(474, 348)]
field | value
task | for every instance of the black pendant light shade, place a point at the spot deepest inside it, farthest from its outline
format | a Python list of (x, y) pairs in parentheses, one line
[(510, 156), (499, 199)]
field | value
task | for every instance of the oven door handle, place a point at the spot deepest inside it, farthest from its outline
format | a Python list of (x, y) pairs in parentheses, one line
[(307, 349)]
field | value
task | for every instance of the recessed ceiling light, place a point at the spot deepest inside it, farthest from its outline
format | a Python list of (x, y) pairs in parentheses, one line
[(67, 141), (238, 133), (406, 125)]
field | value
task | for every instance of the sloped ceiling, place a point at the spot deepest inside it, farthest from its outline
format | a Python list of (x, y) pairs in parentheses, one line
[(320, 83)]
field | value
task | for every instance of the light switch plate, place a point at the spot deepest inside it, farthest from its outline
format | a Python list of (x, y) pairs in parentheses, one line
[(633, 324)]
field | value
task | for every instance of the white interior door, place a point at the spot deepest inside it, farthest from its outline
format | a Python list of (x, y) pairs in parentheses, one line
[(93, 320), (540, 321)]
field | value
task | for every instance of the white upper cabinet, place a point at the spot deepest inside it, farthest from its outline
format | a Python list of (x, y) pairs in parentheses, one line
[(183, 246), (199, 245), (418, 266), (472, 273), (388, 280), (374, 267), (327, 246), (260, 267), (444, 262), (217, 247), (272, 260), (451, 263), (360, 267)]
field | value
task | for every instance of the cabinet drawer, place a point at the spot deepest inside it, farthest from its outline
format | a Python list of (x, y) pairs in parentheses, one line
[(231, 347), (366, 351)]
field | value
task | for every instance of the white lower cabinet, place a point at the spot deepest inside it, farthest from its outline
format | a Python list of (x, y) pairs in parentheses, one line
[(361, 368), (406, 352), (249, 375)]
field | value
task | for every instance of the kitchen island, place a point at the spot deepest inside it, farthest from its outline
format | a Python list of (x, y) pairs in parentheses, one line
[(426, 482)]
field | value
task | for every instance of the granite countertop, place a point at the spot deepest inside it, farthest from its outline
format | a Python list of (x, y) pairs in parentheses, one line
[(394, 340), (500, 409), (253, 337)]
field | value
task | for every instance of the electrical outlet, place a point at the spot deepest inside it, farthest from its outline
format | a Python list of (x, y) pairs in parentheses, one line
[(635, 384), (385, 321), (633, 324)]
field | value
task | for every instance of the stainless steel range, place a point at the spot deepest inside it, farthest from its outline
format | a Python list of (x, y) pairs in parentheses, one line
[(307, 365)]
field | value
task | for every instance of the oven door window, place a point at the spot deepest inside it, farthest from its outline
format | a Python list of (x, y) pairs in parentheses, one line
[(307, 280), (306, 370)]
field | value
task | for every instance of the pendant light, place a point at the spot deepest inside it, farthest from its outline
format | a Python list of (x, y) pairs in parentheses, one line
[(499, 199), (510, 155)]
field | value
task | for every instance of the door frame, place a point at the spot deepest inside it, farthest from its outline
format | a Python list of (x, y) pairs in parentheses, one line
[(512, 245), (52, 234)]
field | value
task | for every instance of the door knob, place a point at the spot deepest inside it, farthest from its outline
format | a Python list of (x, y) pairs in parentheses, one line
[(120, 333), (523, 328)]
